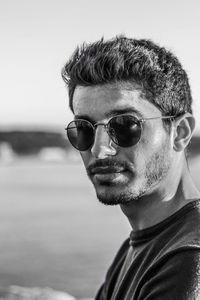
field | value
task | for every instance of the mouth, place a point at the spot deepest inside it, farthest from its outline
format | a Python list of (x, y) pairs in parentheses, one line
[(106, 170), (108, 174)]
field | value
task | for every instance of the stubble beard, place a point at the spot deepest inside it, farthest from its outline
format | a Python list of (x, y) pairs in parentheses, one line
[(156, 170)]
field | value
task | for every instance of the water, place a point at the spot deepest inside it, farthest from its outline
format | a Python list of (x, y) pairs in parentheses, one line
[(53, 231)]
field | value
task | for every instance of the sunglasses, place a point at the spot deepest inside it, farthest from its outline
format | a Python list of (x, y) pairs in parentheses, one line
[(124, 130)]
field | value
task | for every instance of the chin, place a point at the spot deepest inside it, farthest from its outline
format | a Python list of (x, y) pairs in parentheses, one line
[(115, 195), (114, 190)]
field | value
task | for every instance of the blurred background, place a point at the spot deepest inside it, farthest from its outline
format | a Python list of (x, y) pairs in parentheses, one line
[(53, 231)]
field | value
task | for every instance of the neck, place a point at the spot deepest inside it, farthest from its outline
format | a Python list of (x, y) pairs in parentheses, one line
[(161, 203)]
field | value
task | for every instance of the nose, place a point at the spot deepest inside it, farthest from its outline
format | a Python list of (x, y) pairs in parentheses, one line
[(103, 145)]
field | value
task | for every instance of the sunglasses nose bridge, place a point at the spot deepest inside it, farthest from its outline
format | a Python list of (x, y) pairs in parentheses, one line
[(105, 127), (102, 146)]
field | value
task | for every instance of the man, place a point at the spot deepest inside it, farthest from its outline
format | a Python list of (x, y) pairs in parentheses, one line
[(132, 124)]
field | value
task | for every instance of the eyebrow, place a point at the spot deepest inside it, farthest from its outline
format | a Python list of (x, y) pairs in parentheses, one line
[(112, 113), (84, 117), (126, 110)]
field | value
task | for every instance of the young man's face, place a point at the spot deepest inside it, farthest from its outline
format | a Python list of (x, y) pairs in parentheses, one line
[(119, 174)]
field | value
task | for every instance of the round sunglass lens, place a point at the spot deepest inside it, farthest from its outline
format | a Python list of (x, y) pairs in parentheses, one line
[(80, 134), (125, 130)]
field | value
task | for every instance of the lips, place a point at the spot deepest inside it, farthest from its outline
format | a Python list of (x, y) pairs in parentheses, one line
[(106, 170)]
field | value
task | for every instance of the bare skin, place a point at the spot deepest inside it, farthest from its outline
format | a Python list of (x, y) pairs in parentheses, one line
[(142, 215), (150, 180)]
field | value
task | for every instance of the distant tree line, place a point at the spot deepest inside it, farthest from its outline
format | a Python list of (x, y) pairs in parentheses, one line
[(31, 142)]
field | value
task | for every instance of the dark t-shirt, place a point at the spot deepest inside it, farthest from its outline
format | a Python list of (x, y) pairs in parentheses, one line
[(158, 263)]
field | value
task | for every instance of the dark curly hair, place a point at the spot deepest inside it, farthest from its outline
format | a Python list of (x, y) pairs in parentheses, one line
[(156, 70)]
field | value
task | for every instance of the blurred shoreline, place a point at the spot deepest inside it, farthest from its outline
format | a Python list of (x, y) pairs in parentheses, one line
[(50, 145)]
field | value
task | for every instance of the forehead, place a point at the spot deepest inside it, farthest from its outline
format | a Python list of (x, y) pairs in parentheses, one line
[(99, 101)]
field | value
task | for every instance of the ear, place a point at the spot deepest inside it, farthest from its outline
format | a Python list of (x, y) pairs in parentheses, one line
[(183, 130)]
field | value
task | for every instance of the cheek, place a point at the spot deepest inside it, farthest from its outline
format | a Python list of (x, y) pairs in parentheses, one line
[(140, 154), (154, 138), (135, 156)]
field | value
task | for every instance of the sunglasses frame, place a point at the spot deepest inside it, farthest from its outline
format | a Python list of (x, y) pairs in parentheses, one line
[(138, 121)]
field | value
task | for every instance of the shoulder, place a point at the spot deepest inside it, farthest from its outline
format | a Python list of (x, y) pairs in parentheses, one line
[(174, 270), (185, 231), (119, 257), (174, 276), (107, 287), (180, 233)]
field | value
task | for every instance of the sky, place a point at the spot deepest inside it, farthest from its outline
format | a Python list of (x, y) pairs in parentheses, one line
[(38, 36)]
